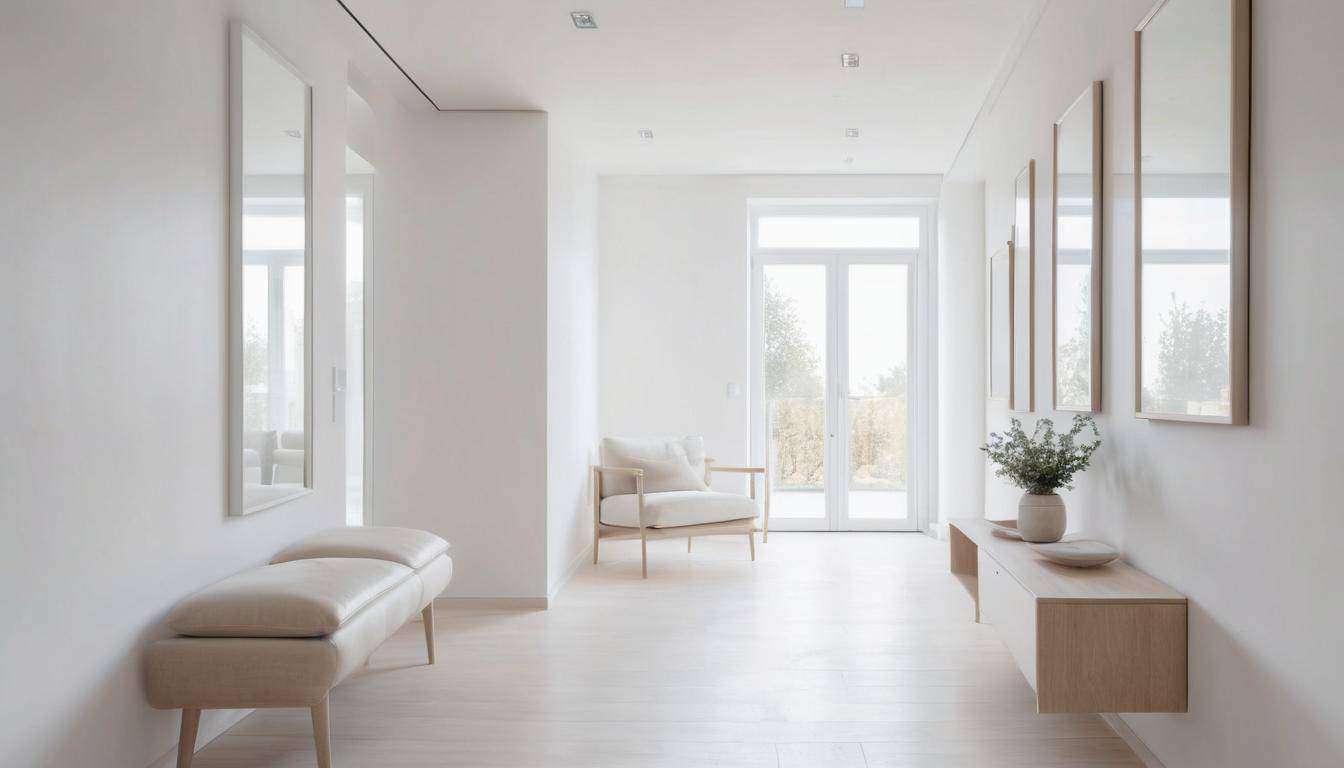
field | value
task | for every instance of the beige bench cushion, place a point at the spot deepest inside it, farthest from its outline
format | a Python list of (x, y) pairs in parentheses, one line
[(303, 598), (407, 546), (672, 509), (235, 672)]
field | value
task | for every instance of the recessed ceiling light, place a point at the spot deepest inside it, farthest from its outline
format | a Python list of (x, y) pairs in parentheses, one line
[(583, 20), (853, 3), (851, 133), (849, 60), (645, 133)]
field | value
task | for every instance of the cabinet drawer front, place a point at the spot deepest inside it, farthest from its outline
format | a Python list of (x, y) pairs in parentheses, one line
[(1008, 606)]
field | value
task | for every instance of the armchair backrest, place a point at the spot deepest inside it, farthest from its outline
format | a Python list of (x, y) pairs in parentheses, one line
[(654, 455)]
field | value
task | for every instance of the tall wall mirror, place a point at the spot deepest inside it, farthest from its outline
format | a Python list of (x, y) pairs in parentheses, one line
[(1023, 398), (1076, 262), (270, 372), (1001, 324), (1192, 150)]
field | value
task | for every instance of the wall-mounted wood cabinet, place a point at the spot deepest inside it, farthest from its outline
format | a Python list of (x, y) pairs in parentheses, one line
[(1107, 639)]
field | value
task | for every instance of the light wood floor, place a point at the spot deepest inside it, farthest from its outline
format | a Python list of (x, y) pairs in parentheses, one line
[(831, 651)]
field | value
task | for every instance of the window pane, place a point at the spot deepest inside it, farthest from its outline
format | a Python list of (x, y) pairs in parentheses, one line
[(837, 232), (878, 403), (795, 388)]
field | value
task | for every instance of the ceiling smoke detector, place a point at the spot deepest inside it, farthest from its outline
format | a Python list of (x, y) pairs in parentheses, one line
[(645, 133), (583, 19), (851, 133), (849, 60)]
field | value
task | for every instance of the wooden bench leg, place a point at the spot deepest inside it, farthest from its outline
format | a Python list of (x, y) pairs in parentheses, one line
[(427, 616), (688, 543), (751, 538), (186, 744), (322, 732)]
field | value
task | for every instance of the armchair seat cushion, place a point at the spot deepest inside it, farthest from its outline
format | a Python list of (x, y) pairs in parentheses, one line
[(671, 509)]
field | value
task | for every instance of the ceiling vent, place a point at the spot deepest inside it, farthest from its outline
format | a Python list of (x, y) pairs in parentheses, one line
[(583, 20), (849, 60)]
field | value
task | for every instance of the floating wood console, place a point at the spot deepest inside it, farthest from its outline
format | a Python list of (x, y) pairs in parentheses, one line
[(1108, 639)]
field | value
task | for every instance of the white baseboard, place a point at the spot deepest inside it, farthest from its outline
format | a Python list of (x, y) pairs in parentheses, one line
[(214, 722), (571, 569), (493, 603), (1131, 738)]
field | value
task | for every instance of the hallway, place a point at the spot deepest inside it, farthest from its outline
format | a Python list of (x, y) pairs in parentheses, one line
[(830, 651)]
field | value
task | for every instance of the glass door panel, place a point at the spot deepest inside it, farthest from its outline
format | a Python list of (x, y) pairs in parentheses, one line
[(794, 304), (876, 409)]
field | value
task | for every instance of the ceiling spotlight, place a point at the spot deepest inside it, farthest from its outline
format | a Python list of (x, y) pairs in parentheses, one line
[(851, 133), (583, 20), (853, 3), (849, 60), (645, 133)]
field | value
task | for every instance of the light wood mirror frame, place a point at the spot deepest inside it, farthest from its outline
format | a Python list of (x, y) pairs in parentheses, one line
[(1238, 135), (1022, 397), (1090, 98), (270, 153), (999, 311)]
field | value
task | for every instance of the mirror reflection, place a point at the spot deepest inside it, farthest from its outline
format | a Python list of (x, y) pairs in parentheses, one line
[(1076, 238), (274, 285), (1000, 323), (1185, 107), (1024, 292)]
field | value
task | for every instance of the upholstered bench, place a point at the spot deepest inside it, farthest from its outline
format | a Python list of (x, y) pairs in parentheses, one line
[(284, 634), (421, 551)]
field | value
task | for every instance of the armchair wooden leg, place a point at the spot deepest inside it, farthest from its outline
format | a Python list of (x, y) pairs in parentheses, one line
[(644, 556), (688, 543), (427, 616), (186, 744), (322, 732), (596, 539), (751, 539)]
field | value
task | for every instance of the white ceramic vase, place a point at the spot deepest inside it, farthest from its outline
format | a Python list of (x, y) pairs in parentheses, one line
[(1040, 517)]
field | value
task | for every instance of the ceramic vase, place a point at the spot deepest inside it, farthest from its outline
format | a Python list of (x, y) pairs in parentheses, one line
[(1040, 517)]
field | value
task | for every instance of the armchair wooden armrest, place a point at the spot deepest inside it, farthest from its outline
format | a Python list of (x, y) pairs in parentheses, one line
[(751, 473)]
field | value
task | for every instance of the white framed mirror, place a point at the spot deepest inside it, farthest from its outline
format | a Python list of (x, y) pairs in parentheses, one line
[(1191, 188), (1023, 394), (270, 279), (1076, 256)]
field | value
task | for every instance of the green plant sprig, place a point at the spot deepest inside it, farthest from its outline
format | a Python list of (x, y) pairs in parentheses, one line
[(1044, 461)]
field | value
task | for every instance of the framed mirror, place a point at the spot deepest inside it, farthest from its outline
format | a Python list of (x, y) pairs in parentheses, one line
[(1192, 159), (1000, 314), (1022, 397), (270, 296), (1076, 256)]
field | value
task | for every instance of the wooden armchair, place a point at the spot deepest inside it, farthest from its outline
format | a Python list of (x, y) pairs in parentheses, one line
[(623, 509)]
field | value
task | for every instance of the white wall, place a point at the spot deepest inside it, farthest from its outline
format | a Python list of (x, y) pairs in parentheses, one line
[(1240, 519), (113, 334), (460, 339), (571, 360), (961, 349), (675, 297)]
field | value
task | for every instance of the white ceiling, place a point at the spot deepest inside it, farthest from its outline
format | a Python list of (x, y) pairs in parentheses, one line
[(733, 86)]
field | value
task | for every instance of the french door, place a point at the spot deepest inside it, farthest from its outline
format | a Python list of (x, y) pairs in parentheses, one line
[(837, 402)]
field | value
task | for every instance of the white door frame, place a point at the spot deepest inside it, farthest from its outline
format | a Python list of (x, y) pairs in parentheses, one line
[(920, 360)]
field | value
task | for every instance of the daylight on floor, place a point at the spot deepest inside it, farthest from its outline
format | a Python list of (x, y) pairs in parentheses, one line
[(748, 384)]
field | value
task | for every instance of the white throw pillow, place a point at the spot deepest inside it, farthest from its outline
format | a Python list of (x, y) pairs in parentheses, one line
[(667, 464)]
